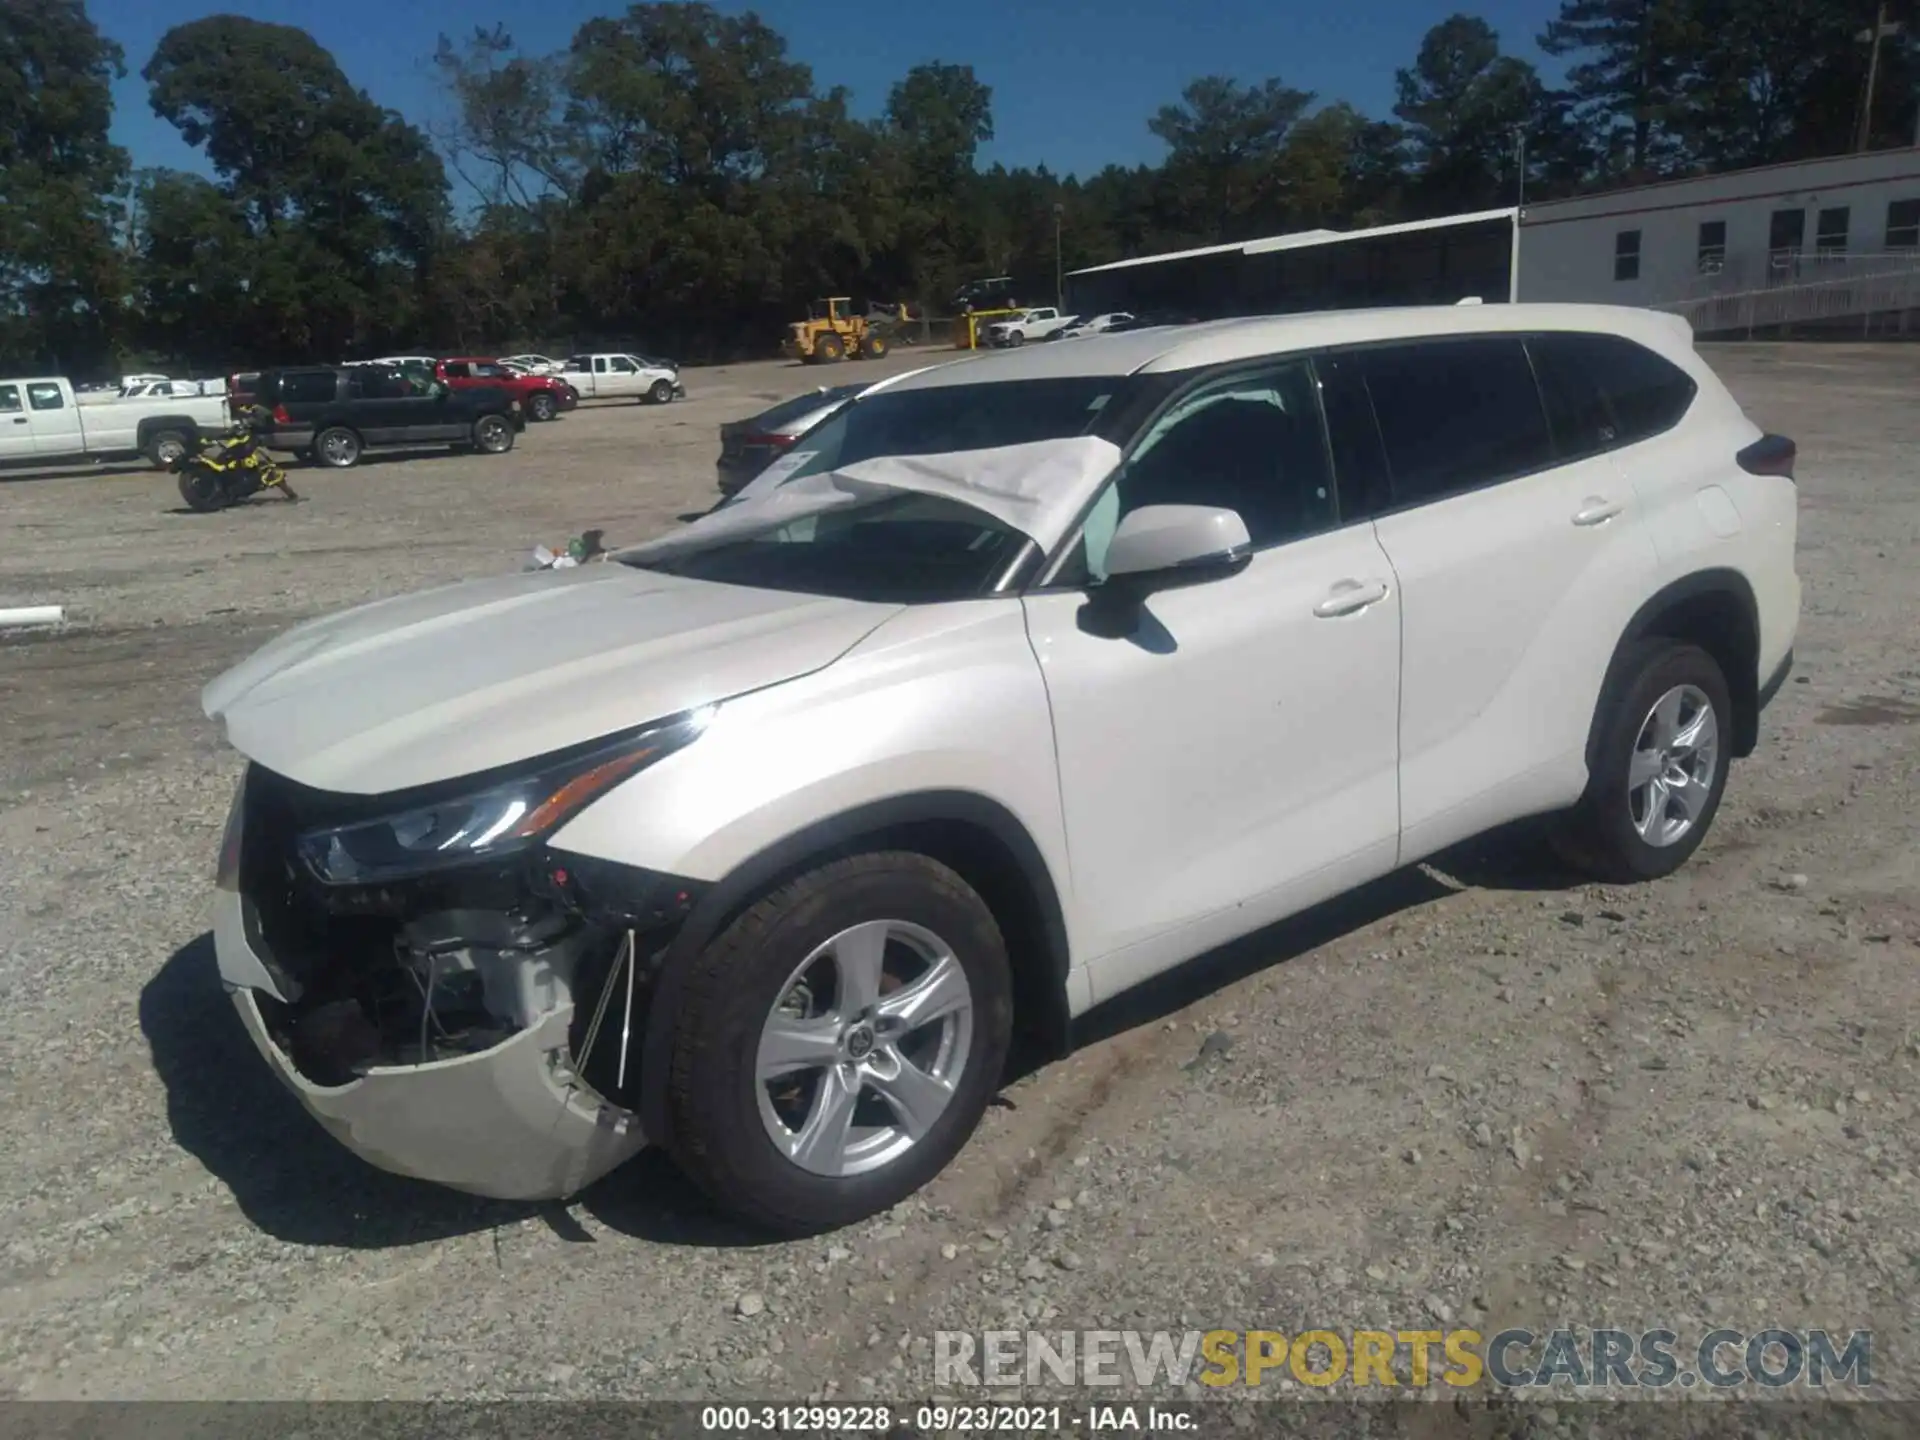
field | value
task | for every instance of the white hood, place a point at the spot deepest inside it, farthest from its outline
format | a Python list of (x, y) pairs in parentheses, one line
[(463, 678), (1039, 489)]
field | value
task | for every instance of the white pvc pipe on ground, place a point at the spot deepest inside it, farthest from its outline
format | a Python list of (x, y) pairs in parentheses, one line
[(32, 615)]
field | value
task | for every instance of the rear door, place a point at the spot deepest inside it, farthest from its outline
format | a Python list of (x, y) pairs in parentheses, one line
[(1520, 556), (55, 422), (386, 410), (16, 431)]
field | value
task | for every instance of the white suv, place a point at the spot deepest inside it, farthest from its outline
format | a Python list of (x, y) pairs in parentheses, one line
[(1045, 672)]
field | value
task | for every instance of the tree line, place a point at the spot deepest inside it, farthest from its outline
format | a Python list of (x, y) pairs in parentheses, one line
[(676, 180)]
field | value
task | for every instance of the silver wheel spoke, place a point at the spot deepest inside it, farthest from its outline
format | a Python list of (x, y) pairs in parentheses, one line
[(1697, 732), (857, 956), (1646, 765), (821, 1144), (1655, 819), (789, 1046), (916, 1098), (1692, 796), (942, 990), (1666, 719)]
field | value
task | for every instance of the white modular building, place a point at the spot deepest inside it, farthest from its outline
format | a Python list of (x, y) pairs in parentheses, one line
[(1812, 242)]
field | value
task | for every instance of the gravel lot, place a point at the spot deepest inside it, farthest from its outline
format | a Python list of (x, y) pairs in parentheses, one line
[(1473, 1094)]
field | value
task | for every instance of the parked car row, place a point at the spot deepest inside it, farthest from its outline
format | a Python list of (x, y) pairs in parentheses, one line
[(331, 414)]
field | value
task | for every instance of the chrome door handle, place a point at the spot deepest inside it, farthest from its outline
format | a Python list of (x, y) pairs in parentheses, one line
[(1597, 510), (1350, 597)]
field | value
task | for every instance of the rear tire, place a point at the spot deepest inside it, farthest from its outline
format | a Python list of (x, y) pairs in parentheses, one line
[(337, 448), (492, 435), (1660, 767), (745, 1140), (164, 447)]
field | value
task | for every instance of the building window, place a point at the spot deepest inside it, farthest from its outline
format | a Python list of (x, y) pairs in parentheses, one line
[(1903, 225), (1626, 255), (1713, 246), (1830, 234)]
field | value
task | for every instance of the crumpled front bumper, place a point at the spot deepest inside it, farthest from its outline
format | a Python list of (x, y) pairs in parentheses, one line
[(507, 1123)]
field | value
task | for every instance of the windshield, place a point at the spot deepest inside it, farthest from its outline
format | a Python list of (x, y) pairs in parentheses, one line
[(948, 419), (904, 548), (900, 549)]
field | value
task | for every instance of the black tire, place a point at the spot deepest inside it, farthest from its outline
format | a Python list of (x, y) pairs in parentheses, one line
[(540, 406), (661, 392), (166, 446), (337, 448), (716, 1131), (1600, 835), (203, 492), (493, 435), (828, 349), (875, 348), (1018, 337)]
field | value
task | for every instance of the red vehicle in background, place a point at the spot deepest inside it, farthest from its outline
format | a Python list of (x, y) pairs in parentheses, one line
[(541, 396)]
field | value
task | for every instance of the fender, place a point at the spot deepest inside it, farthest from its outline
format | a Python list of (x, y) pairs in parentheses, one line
[(1742, 682), (817, 842)]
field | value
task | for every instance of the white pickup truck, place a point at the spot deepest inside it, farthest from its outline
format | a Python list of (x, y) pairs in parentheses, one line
[(1034, 324), (620, 377), (42, 423)]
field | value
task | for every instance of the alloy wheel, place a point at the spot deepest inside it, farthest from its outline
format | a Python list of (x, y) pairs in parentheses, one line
[(861, 1054), (1671, 773)]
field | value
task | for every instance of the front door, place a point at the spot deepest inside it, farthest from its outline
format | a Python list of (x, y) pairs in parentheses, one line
[(1232, 759), (623, 376), (16, 431)]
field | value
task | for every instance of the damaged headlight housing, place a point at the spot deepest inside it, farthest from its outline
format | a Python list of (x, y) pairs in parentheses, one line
[(504, 817)]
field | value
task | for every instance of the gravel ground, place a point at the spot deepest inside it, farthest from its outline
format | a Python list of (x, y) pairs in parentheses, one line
[(1473, 1094)]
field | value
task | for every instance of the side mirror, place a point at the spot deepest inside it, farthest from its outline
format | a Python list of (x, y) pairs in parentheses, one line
[(1165, 545)]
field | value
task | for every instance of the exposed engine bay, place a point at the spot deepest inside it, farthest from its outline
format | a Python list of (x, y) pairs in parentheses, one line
[(419, 971)]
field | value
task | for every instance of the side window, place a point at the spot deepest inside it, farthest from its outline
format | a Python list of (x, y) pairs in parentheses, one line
[(1359, 464), (1626, 255), (9, 400), (1903, 224), (1252, 444), (1456, 415), (1577, 409), (599, 364), (1647, 394), (623, 366), (459, 370), (45, 397)]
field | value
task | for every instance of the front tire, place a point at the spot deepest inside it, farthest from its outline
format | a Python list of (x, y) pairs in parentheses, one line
[(204, 492), (838, 1042), (492, 435), (1665, 734), (337, 447), (540, 406), (661, 392)]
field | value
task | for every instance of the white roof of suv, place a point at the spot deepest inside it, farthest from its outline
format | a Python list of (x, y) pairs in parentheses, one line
[(1216, 342)]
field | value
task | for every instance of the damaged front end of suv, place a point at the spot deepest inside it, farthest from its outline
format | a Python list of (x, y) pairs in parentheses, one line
[(450, 996)]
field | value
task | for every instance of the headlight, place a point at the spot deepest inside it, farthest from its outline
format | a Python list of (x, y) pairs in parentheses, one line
[(484, 824)]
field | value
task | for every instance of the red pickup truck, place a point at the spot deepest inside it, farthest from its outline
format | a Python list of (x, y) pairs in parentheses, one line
[(541, 396)]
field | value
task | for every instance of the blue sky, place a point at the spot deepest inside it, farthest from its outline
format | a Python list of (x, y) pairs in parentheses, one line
[(1073, 80)]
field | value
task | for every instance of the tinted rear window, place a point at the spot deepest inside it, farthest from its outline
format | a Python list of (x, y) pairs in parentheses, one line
[(1603, 391), (1648, 394), (1456, 415), (305, 387), (798, 408)]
